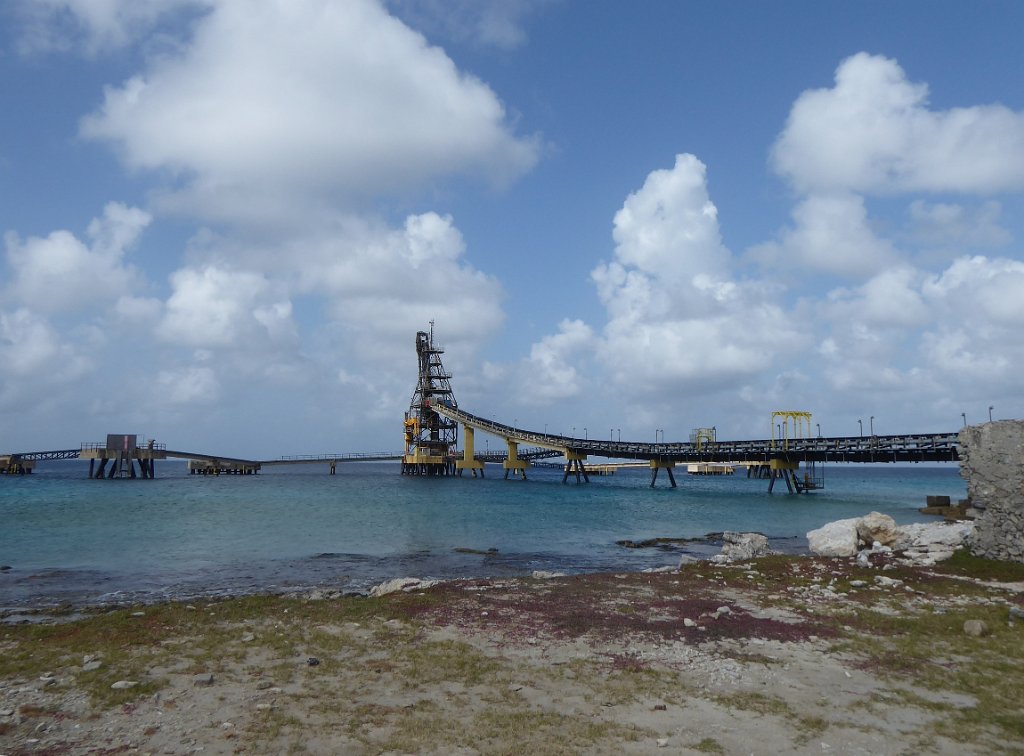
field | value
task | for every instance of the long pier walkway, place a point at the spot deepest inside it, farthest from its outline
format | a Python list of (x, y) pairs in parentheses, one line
[(917, 447), (139, 462), (781, 457)]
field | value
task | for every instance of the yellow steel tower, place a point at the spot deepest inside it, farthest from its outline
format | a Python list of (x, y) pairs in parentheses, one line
[(430, 439)]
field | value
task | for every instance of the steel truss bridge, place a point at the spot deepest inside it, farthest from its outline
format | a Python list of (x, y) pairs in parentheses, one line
[(919, 447), (779, 457)]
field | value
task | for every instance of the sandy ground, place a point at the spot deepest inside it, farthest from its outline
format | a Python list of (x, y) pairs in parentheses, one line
[(763, 658)]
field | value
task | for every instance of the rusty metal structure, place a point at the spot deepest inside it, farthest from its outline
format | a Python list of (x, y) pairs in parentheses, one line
[(430, 438)]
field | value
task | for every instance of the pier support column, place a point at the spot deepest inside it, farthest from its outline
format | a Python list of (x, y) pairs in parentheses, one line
[(786, 470), (469, 460), (574, 464), (513, 464), (660, 464)]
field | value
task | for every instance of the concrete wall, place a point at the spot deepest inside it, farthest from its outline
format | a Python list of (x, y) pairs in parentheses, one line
[(992, 463)]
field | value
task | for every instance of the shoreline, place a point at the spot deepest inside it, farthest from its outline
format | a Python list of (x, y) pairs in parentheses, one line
[(77, 588), (776, 654)]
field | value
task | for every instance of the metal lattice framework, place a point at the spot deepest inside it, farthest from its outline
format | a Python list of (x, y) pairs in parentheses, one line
[(918, 447), (430, 438)]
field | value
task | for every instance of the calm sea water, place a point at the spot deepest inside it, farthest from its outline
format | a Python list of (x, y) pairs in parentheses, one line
[(66, 538)]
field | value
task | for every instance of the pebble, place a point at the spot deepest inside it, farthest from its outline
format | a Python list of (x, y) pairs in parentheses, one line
[(888, 581), (203, 679), (138, 614), (312, 661), (689, 622), (264, 685), (976, 628), (123, 684), (248, 638), (662, 742), (264, 707), (92, 666)]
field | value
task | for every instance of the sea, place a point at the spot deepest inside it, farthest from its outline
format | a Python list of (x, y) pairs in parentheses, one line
[(68, 540)]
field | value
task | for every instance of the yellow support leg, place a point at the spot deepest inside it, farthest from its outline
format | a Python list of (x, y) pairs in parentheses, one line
[(574, 464), (782, 469), (660, 464), (513, 464), (469, 460)]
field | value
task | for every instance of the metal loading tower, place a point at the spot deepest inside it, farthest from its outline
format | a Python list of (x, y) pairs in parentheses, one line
[(430, 439)]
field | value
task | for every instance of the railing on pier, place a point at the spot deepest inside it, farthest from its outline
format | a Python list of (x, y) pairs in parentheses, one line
[(920, 447), (299, 459), (40, 456)]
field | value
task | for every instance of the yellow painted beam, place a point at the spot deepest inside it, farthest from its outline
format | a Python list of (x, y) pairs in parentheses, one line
[(513, 462), (469, 460)]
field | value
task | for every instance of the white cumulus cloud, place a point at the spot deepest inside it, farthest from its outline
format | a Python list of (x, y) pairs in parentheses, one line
[(61, 273), (873, 132), (678, 319), (830, 234), (382, 284), (275, 105), (34, 359), (215, 307), (92, 26)]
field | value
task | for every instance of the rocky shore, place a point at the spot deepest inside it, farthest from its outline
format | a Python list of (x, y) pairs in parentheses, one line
[(868, 652)]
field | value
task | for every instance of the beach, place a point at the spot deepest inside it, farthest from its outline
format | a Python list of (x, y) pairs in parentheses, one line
[(780, 654)]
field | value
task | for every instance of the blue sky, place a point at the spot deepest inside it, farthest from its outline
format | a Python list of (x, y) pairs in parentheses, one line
[(224, 222)]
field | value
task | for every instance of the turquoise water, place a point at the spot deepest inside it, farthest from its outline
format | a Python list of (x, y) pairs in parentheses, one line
[(67, 538)]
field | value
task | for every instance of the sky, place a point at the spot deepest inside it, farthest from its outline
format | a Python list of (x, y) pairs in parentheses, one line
[(224, 221)]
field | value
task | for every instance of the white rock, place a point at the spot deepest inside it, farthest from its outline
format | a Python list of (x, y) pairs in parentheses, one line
[(888, 582), (921, 535), (976, 628), (546, 575), (835, 539), (744, 546), (402, 584), (875, 526), (124, 684)]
